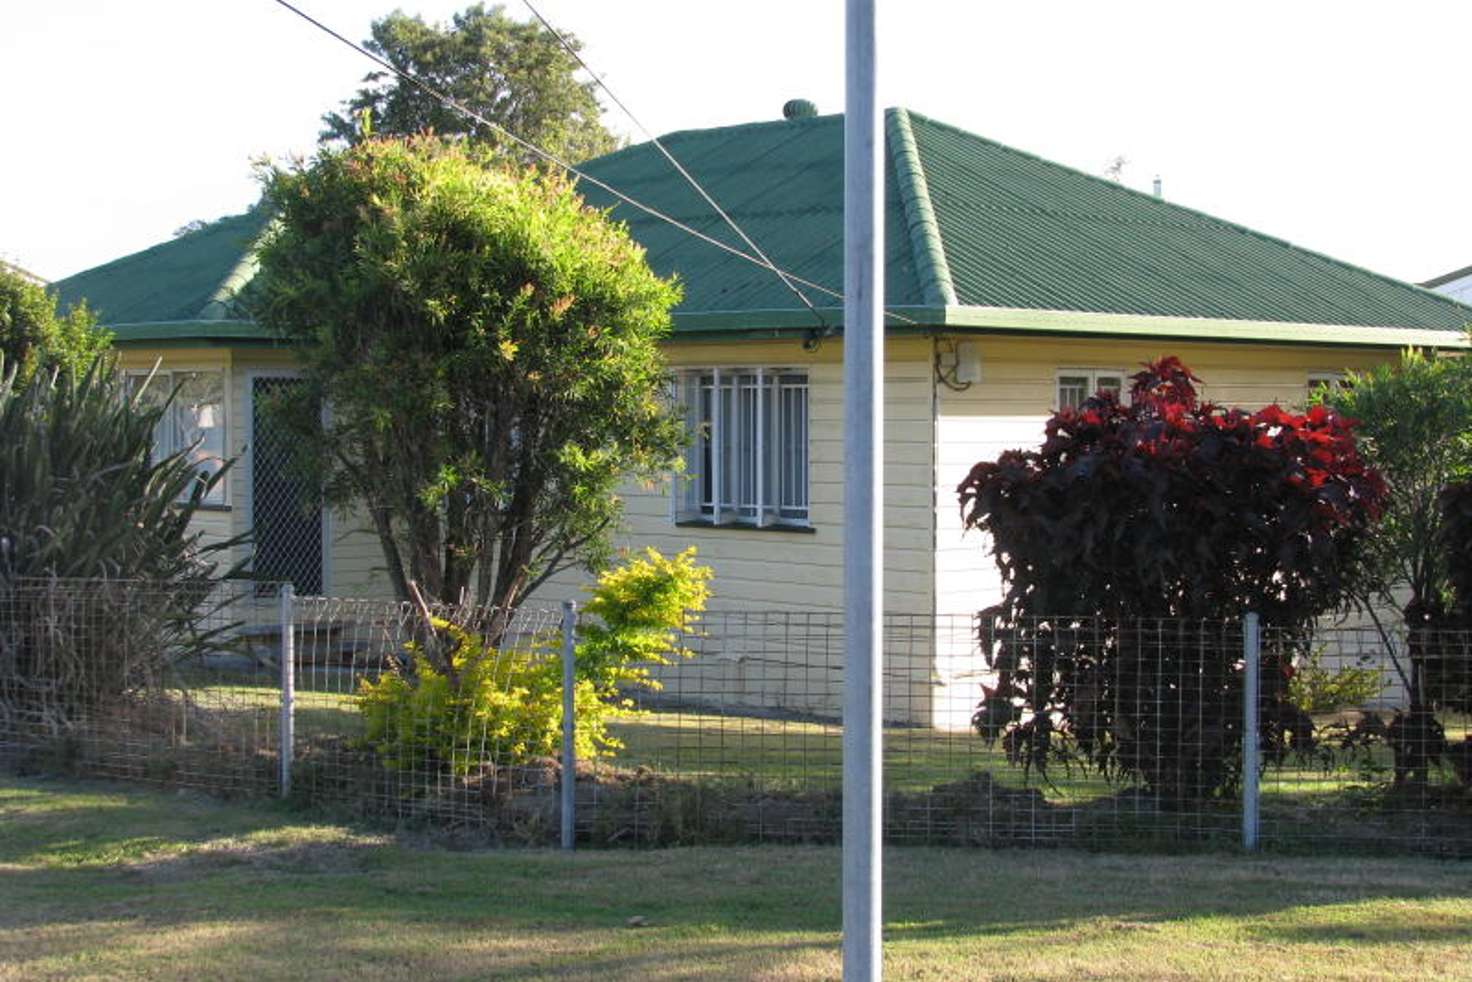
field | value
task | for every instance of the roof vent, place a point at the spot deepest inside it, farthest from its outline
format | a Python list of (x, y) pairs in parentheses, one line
[(798, 109)]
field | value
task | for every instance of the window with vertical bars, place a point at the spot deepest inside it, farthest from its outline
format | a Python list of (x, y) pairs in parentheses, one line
[(747, 461), (1077, 384)]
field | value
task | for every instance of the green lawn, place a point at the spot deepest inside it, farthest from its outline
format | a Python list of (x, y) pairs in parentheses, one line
[(108, 882)]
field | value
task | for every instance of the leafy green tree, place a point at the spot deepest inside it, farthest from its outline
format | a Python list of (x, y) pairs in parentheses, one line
[(33, 335), (488, 346), (1414, 425), (512, 73)]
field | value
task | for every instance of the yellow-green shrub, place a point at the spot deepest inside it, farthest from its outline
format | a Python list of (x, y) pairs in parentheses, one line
[(1314, 688), (505, 705)]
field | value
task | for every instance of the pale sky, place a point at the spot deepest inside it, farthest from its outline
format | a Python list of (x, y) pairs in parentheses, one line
[(1340, 126)]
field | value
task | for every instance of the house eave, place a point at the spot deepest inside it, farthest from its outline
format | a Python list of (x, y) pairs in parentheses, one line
[(1199, 328)]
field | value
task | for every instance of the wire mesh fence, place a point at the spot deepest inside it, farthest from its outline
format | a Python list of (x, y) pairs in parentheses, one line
[(1373, 746), (141, 681), (445, 714), (745, 737), (1051, 732)]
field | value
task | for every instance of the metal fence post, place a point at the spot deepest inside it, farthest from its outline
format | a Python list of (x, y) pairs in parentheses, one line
[(288, 684), (1251, 656), (569, 719)]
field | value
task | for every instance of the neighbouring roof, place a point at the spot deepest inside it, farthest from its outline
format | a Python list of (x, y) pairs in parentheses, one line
[(978, 237), (1455, 274), (24, 274)]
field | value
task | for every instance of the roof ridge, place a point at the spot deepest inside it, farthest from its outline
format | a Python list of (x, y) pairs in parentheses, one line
[(1224, 223), (756, 124), (217, 307), (702, 130), (926, 244)]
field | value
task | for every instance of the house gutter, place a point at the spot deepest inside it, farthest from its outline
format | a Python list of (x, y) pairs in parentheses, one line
[(192, 333), (924, 320), (910, 321)]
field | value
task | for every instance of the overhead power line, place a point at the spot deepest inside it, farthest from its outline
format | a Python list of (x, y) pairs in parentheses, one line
[(658, 145), (466, 111)]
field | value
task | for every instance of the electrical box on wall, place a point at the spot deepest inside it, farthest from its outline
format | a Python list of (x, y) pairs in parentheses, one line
[(968, 362)]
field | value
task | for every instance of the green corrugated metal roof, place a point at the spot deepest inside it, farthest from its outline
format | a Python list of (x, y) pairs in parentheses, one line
[(977, 235), (781, 182), (1014, 231), (1020, 231)]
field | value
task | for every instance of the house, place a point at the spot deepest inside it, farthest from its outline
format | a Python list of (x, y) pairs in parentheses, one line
[(1014, 286), (1457, 284)]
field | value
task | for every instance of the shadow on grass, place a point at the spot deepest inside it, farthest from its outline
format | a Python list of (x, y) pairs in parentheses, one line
[(73, 852)]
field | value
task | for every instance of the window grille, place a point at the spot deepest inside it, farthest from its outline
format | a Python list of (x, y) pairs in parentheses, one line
[(747, 461), (1077, 384)]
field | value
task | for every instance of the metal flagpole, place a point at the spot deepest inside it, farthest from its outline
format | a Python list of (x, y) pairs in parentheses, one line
[(863, 481)]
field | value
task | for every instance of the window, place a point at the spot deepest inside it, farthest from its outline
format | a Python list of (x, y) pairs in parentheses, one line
[(1077, 384), (1325, 380), (747, 462), (194, 423)]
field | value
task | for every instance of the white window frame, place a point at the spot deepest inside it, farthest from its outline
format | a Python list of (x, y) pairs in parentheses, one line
[(1092, 386), (163, 382), (748, 460)]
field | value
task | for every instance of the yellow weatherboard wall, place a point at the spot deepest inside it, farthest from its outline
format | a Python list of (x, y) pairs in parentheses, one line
[(352, 559), (792, 570), (933, 435)]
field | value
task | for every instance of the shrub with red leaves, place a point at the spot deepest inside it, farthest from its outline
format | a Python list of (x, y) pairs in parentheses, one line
[(1164, 507)]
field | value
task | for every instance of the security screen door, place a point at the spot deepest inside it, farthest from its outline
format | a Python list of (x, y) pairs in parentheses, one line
[(288, 522)]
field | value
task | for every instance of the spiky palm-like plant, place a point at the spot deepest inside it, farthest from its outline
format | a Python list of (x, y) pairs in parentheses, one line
[(83, 496)]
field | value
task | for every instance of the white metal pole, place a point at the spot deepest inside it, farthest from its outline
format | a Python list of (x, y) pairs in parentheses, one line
[(863, 481), (1251, 659), (569, 720), (288, 684)]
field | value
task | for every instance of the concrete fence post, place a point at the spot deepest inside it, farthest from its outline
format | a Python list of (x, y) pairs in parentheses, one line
[(569, 720), (287, 614), (1251, 688)]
